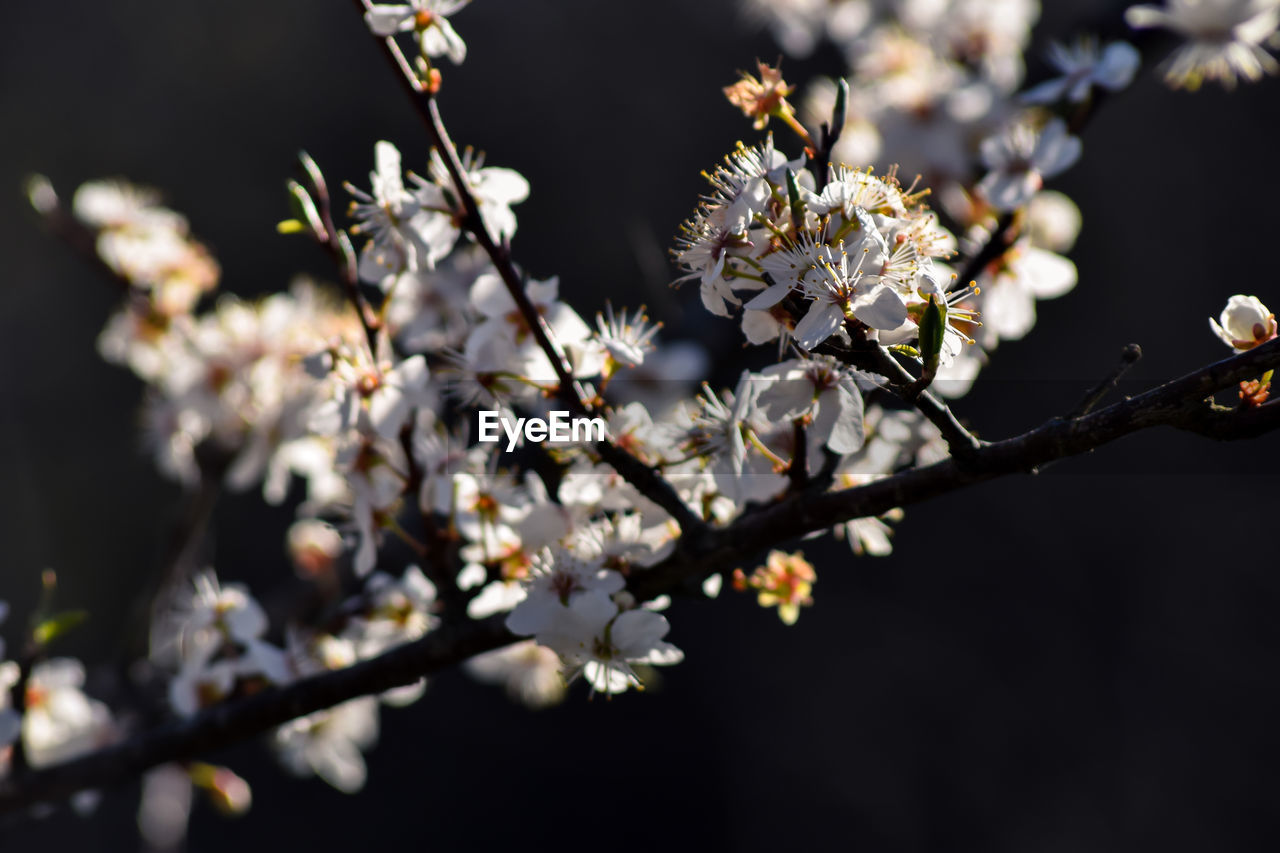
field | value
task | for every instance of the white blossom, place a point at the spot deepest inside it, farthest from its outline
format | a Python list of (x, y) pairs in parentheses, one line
[(1244, 323), (428, 20), (1224, 38), (1083, 66), (329, 743), (403, 236), (529, 672), (1021, 158), (60, 721)]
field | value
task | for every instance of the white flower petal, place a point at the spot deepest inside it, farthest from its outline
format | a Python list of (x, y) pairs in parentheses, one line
[(818, 324)]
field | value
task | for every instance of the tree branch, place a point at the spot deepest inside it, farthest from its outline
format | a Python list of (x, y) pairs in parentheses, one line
[(232, 722), (1181, 404), (1129, 356), (960, 441), (870, 356)]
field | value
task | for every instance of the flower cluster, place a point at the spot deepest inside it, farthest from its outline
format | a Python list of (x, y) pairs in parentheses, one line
[(57, 720), (373, 404), (859, 250), (785, 581), (933, 90)]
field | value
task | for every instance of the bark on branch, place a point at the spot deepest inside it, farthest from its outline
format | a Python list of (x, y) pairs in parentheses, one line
[(1183, 404)]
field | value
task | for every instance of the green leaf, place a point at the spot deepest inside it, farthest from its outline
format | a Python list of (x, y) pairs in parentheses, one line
[(933, 326), (794, 200), (57, 625), (840, 115)]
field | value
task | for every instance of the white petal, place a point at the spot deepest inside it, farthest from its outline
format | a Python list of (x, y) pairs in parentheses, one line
[(819, 324), (389, 20), (768, 298), (340, 764), (883, 308), (846, 431), (1056, 150), (1009, 190), (787, 399), (501, 185), (636, 632), (1047, 92), (441, 39), (1142, 17), (389, 184), (1046, 275), (489, 296), (760, 327), (1119, 63), (1009, 309)]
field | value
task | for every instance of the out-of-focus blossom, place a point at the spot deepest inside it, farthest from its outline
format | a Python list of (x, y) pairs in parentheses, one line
[(1021, 158), (428, 20), (1224, 38), (1083, 66)]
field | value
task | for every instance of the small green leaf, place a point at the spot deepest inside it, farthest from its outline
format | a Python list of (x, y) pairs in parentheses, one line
[(933, 326), (57, 625), (794, 200), (840, 115)]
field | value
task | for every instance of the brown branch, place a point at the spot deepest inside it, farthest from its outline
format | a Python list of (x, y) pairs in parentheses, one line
[(798, 472), (232, 722), (829, 134), (1129, 356), (83, 240), (870, 356), (1181, 404), (960, 441)]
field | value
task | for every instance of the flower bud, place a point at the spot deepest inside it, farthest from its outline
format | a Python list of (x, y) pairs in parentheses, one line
[(1244, 323)]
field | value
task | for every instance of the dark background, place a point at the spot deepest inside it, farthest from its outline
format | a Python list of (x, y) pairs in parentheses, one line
[(1084, 660)]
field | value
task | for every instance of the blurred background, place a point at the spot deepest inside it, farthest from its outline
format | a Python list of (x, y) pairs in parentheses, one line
[(1080, 661)]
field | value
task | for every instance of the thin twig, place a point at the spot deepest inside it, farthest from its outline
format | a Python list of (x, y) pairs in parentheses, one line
[(28, 658), (640, 475), (829, 135), (1128, 358), (83, 240), (180, 559), (231, 722), (798, 472), (339, 248), (997, 243), (960, 441)]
